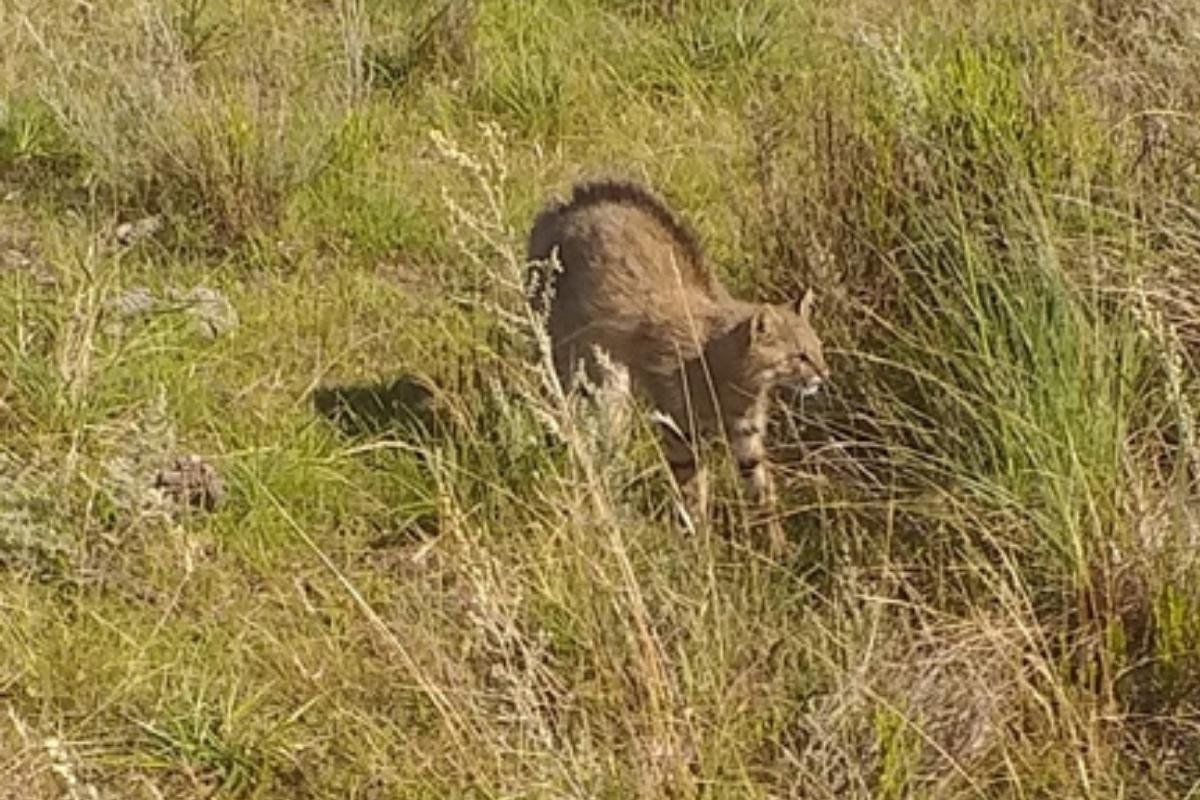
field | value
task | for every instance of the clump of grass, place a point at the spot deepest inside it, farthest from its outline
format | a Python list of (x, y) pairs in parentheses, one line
[(32, 143), (442, 39), (433, 573), (156, 132)]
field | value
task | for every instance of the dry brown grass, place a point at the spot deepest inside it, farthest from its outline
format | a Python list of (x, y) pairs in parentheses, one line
[(470, 586)]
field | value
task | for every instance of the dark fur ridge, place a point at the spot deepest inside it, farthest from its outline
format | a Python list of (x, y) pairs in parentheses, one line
[(589, 194), (627, 193)]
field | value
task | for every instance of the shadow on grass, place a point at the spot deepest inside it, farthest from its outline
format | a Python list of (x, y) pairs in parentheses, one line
[(403, 407), (400, 410)]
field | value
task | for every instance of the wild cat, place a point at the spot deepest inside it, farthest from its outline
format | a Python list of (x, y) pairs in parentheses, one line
[(634, 282)]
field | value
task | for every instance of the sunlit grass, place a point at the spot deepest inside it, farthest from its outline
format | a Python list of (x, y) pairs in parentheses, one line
[(456, 583)]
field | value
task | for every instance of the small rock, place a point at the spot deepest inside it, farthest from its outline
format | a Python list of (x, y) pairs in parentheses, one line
[(191, 482), (129, 232), (14, 259), (213, 313), (128, 306), (133, 303)]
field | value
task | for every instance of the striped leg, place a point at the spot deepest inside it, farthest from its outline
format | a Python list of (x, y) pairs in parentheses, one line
[(749, 451), (746, 442), (690, 476)]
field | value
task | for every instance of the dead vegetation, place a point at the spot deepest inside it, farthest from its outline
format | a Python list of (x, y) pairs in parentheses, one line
[(430, 574)]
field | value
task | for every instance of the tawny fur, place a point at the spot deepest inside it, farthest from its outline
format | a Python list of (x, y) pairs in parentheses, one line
[(634, 282)]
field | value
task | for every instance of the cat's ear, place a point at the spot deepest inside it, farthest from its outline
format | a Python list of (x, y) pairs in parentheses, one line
[(762, 323), (803, 305)]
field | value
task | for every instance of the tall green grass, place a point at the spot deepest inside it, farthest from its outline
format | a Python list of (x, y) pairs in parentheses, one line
[(433, 575)]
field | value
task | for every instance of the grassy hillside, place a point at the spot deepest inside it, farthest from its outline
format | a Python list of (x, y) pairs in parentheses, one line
[(428, 576)]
